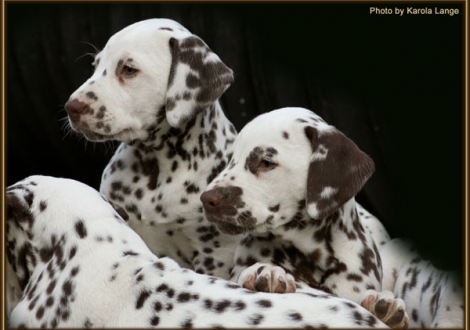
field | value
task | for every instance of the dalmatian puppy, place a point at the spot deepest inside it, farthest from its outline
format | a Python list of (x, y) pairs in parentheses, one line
[(81, 265), (289, 188), (434, 298), (155, 88)]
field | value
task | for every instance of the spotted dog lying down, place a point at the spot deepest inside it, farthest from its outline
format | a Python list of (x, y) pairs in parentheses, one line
[(290, 188), (81, 265)]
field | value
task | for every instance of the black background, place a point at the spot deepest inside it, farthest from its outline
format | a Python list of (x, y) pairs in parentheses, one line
[(392, 84)]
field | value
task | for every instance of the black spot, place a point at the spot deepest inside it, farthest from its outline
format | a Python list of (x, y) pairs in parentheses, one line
[(154, 321), (295, 316), (72, 252), (192, 189), (222, 306), (92, 96), (51, 287), (50, 301), (170, 293), (187, 324), (256, 319), (74, 271), (80, 229), (42, 206), (240, 305), (208, 304), (144, 295), (174, 166), (159, 265), (162, 287), (40, 313), (184, 297), (46, 254), (157, 306), (274, 208), (264, 303)]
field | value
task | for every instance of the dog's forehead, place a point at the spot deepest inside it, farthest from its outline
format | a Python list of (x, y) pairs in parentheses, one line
[(141, 39), (282, 127), (144, 31)]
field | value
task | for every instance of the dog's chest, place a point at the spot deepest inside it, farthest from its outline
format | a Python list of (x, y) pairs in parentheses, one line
[(154, 188)]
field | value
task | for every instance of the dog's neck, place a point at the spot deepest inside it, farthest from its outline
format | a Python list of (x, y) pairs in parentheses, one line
[(162, 138), (305, 233)]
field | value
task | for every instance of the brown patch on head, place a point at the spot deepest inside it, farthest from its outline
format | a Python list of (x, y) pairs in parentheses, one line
[(261, 160), (252, 160), (338, 170), (118, 67)]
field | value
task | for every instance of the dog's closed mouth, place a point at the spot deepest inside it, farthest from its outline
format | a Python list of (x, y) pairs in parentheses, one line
[(230, 229), (227, 224), (99, 137)]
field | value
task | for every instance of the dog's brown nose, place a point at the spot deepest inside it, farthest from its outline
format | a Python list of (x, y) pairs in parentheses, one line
[(222, 199), (212, 198), (75, 108)]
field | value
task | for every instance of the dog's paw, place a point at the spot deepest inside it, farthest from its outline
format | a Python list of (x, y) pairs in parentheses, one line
[(267, 278), (388, 309)]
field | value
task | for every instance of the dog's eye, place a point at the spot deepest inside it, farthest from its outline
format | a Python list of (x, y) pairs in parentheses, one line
[(128, 70)]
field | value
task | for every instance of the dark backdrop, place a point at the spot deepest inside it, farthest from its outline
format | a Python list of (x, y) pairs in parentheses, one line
[(392, 84)]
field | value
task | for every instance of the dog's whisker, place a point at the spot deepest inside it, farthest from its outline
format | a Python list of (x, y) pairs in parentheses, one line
[(82, 56), (94, 47)]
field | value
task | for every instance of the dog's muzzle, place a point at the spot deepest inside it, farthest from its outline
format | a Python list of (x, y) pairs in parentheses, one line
[(75, 109), (221, 206)]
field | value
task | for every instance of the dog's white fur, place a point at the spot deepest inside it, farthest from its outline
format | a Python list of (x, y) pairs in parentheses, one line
[(87, 268)]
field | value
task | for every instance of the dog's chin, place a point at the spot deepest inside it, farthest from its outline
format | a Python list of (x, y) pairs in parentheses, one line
[(122, 136), (94, 137), (227, 226)]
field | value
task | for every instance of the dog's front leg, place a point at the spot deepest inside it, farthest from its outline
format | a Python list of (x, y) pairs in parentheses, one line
[(257, 266)]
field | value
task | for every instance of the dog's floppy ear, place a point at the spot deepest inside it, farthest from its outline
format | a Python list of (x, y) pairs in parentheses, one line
[(197, 78), (338, 170), (18, 202), (18, 224)]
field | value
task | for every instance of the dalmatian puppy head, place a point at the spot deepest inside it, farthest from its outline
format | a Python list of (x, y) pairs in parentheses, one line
[(151, 75), (44, 214), (285, 163)]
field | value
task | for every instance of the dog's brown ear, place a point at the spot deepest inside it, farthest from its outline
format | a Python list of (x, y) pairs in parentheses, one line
[(338, 170), (197, 78)]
